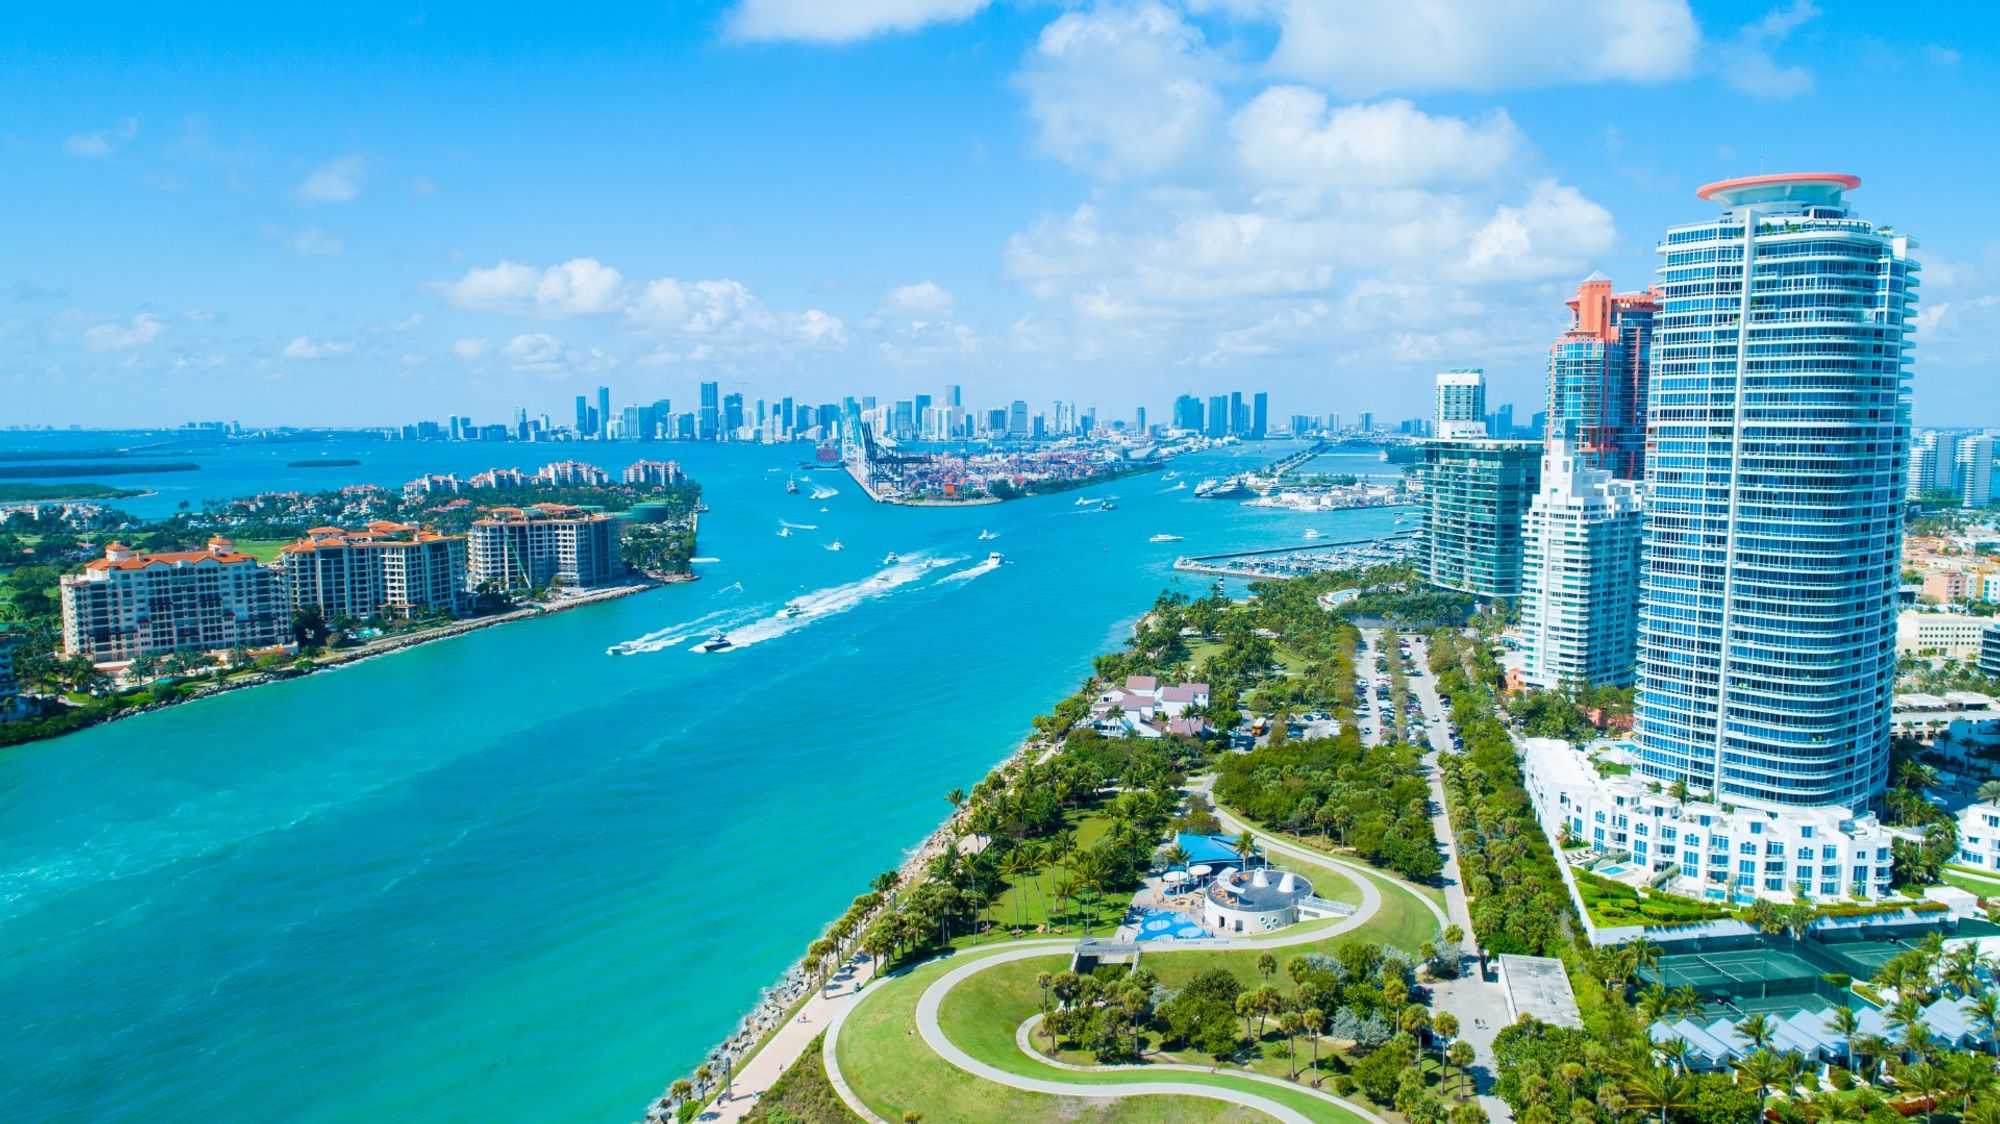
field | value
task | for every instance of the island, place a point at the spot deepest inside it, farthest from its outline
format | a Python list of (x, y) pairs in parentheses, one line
[(328, 463), (961, 477), (55, 493)]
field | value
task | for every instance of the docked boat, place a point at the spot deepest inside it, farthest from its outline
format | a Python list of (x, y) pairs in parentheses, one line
[(716, 642), (1164, 538), (1229, 487)]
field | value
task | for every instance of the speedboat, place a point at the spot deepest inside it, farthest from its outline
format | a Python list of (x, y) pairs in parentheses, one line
[(889, 559), (716, 642), (1164, 538), (1312, 532), (834, 545), (994, 558), (1107, 505), (791, 611), (784, 532), (985, 535), (791, 486)]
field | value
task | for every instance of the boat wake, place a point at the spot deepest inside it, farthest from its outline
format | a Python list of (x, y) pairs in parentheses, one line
[(673, 634), (802, 611), (798, 526), (822, 492), (971, 572)]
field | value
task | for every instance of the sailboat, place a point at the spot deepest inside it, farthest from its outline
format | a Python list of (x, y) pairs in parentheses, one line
[(791, 485)]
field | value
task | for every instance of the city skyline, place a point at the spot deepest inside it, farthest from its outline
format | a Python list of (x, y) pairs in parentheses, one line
[(286, 249)]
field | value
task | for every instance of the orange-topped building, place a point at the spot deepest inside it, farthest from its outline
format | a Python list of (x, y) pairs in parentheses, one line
[(383, 568), (1598, 371), (128, 603)]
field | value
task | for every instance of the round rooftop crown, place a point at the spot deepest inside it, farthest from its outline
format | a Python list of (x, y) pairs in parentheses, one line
[(1802, 186)]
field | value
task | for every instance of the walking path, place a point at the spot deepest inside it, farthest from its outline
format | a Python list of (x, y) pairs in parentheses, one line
[(789, 1042)]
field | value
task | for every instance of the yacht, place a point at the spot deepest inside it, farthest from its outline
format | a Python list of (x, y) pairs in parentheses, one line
[(1164, 538), (791, 611), (1312, 533), (716, 642), (1226, 488), (994, 559), (791, 485)]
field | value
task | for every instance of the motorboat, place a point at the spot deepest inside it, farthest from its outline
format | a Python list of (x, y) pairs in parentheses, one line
[(791, 485), (890, 559), (987, 535), (784, 532), (716, 642), (1164, 538), (994, 559), (791, 611), (834, 545), (1107, 505), (1312, 532)]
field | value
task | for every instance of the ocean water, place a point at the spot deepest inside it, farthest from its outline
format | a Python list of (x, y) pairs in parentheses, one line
[(537, 871)]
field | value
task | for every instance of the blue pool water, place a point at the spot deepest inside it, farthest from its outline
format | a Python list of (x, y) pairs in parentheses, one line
[(1169, 925), (1613, 870)]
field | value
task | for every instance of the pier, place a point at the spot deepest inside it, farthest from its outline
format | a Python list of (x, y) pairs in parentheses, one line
[(1294, 561)]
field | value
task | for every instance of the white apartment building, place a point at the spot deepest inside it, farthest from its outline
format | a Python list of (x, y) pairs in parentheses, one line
[(1461, 404), (1715, 851), (658, 473), (128, 604), (386, 567), (1979, 836), (1580, 573), (1975, 470), (516, 548), (1946, 634)]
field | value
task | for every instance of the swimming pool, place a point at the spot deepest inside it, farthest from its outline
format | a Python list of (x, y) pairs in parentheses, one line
[(1169, 925), (1613, 870)]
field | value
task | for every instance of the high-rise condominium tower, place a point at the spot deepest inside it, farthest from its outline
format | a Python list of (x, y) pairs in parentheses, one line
[(1598, 373), (1580, 573), (1461, 404), (1774, 495)]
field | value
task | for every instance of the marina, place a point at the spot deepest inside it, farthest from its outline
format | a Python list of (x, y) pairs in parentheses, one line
[(1299, 561)]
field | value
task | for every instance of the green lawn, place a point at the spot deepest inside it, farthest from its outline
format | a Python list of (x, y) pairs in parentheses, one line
[(263, 550), (1972, 881), (1026, 903), (892, 1071)]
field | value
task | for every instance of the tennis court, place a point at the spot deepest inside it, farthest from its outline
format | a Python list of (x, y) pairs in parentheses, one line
[(1739, 973), (1863, 958)]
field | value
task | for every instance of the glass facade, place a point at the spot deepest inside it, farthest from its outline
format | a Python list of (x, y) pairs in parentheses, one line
[(1778, 432), (1476, 494), (1598, 377)]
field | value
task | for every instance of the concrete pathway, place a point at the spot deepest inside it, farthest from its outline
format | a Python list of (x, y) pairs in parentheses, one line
[(789, 1042)]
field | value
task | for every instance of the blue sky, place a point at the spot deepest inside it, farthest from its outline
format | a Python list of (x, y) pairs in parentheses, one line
[(406, 210)]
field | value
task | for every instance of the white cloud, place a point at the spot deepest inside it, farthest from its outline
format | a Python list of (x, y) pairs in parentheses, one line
[(1121, 93), (539, 347), (115, 336), (841, 21), (1746, 60), (578, 287), (1363, 48), (336, 181), (311, 239), (102, 143), (305, 347), (471, 348), (1555, 232), (1288, 135), (408, 323), (925, 299)]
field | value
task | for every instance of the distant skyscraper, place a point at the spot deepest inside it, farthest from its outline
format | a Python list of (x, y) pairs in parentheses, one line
[(732, 415), (1774, 496), (1218, 416), (1187, 413), (1017, 418), (603, 407), (1975, 470), (1933, 465), (1461, 404), (582, 416), (1580, 573), (1476, 493), (1260, 415), (708, 418), (1598, 373), (1142, 419), (1239, 414), (1367, 421)]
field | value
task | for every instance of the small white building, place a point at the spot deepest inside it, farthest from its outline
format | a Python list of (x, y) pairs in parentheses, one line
[(1253, 901), (1979, 836), (1715, 850), (1946, 634)]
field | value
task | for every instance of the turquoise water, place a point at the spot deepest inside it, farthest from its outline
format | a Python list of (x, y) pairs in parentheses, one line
[(511, 875)]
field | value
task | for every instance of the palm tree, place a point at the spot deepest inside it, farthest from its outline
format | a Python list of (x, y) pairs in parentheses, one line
[(1459, 1055), (1245, 846), (1315, 1022), (1246, 1005), (1675, 1051), (1844, 1022), (1043, 980), (1444, 1028), (680, 1091), (1989, 793), (1969, 1075), (1643, 953), (1267, 966), (1907, 1016), (1757, 1029), (1660, 1089), (1015, 868), (1876, 1048), (1763, 1069), (1925, 1080), (1961, 969), (1291, 1022), (1985, 1010)]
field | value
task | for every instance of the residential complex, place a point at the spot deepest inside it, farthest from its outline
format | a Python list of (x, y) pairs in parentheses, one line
[(517, 548), (1579, 573), (1774, 495), (1461, 404), (385, 568), (127, 604), (1599, 373), (1476, 493)]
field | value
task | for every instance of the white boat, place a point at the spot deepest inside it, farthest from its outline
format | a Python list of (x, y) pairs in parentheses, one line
[(986, 535), (994, 558), (889, 559), (1164, 538), (834, 545), (716, 642), (791, 611), (784, 532), (1312, 533), (1081, 500)]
